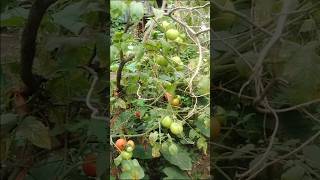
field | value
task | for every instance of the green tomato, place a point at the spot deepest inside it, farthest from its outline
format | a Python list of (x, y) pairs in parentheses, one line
[(129, 149), (173, 149), (165, 24), (182, 36), (176, 128), (126, 155), (180, 68), (172, 34), (178, 40), (166, 122), (177, 60), (164, 146), (161, 60)]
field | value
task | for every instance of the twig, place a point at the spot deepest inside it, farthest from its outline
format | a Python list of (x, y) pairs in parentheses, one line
[(94, 114), (269, 148), (285, 156), (258, 66), (242, 16)]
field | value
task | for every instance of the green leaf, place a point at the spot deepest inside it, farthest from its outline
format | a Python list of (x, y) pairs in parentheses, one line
[(102, 163), (98, 129), (141, 153), (69, 17), (300, 70), (8, 121), (117, 8), (158, 13), (15, 17), (136, 11), (311, 154), (117, 160), (174, 173), (120, 103), (182, 159), (294, 173), (131, 170), (35, 132)]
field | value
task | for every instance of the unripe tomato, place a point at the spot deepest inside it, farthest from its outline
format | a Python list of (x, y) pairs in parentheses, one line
[(129, 149), (173, 149), (172, 34), (176, 128), (121, 143), (175, 102), (89, 165), (126, 155), (166, 122), (165, 24), (131, 143), (178, 40), (223, 21), (180, 68), (161, 60), (177, 60)]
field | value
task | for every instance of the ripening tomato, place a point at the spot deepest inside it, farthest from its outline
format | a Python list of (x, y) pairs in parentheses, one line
[(175, 102), (137, 114), (168, 96), (89, 165), (131, 143), (121, 143)]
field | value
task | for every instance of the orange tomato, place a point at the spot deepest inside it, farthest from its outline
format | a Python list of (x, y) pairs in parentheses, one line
[(121, 143)]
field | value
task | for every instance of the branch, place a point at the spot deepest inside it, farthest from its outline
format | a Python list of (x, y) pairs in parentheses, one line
[(28, 43), (242, 16), (94, 114), (285, 156)]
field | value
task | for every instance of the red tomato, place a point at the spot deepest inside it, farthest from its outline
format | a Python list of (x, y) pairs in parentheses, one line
[(89, 166), (138, 114)]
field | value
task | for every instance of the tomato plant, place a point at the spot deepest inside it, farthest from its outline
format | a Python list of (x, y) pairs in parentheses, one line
[(163, 60)]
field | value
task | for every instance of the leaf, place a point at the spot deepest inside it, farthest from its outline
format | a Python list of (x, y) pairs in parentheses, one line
[(102, 163), (14, 17), (98, 129), (136, 11), (120, 103), (308, 25), (158, 13), (133, 170), (174, 173), (294, 173), (141, 153), (69, 17), (117, 8), (182, 159), (8, 121), (245, 149), (311, 154), (35, 132), (301, 70)]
